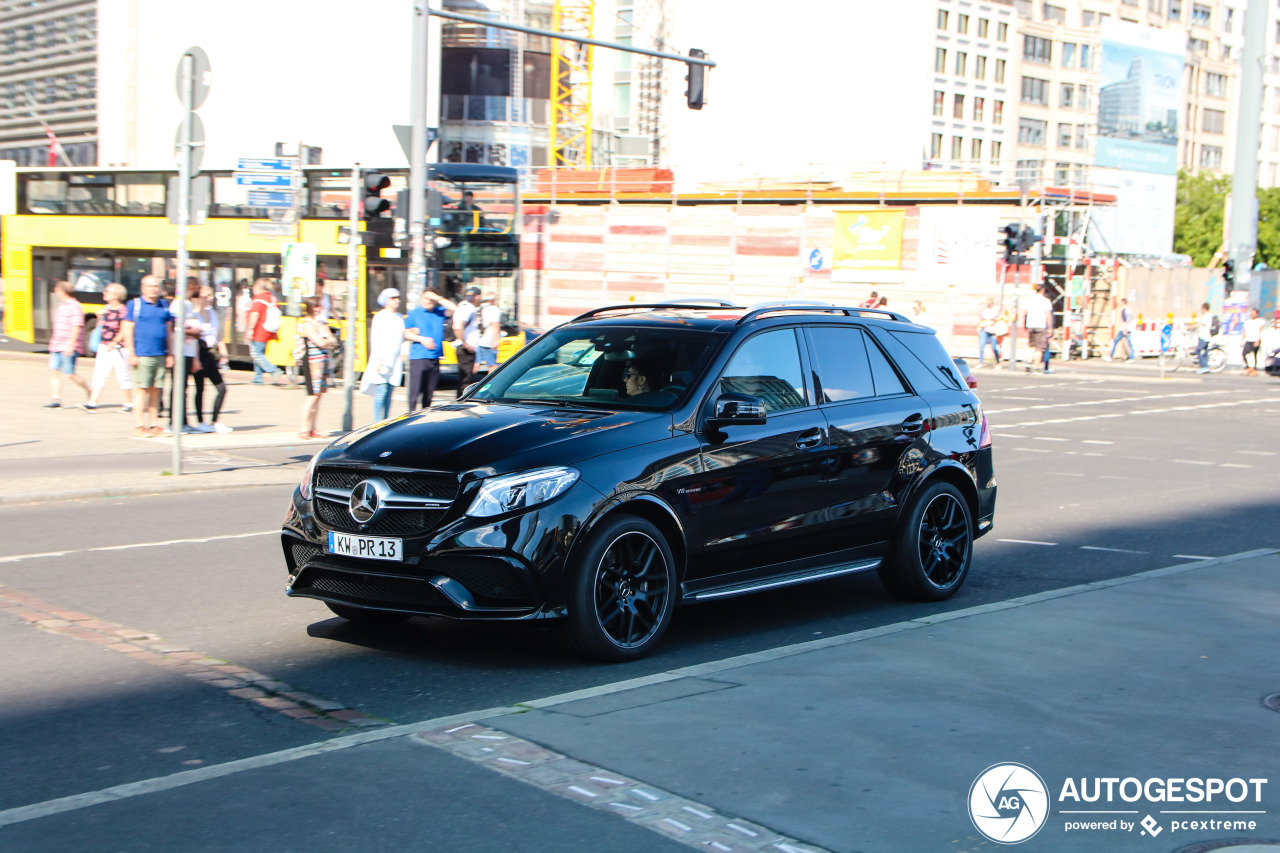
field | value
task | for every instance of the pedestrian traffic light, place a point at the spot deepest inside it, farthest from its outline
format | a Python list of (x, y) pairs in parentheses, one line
[(374, 203), (1228, 275), (696, 80), (1009, 242)]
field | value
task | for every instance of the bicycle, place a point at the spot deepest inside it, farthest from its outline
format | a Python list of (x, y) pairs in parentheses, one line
[(1174, 357)]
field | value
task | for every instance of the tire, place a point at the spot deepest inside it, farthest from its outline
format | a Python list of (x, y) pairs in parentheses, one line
[(622, 592), (933, 546), (1217, 359), (1171, 360), (363, 616)]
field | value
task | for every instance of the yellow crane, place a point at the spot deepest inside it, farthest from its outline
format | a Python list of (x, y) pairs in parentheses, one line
[(571, 83)]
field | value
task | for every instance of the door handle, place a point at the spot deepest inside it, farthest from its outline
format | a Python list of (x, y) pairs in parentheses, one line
[(809, 439), (913, 424)]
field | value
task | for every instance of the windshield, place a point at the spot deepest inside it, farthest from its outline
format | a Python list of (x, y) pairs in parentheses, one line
[(621, 367)]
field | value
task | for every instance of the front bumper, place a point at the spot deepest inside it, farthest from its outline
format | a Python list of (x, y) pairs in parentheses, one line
[(509, 568)]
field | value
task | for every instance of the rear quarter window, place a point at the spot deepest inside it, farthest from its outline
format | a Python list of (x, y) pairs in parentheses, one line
[(921, 357)]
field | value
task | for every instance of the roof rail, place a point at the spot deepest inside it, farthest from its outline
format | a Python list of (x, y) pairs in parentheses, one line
[(818, 308), (692, 305)]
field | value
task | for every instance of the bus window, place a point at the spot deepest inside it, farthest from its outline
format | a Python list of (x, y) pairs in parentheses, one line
[(46, 196)]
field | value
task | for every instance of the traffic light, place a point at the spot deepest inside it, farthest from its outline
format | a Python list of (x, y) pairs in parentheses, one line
[(696, 80), (1228, 275), (1027, 239), (374, 203), (1009, 242)]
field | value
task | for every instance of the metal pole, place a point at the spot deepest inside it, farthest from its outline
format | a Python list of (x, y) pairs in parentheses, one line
[(1017, 286), (178, 402), (353, 281), (417, 156), (1244, 178)]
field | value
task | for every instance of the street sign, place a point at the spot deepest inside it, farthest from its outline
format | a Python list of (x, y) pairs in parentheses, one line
[(404, 137), (282, 180), (201, 195), (267, 164), (271, 198), (197, 143), (201, 77)]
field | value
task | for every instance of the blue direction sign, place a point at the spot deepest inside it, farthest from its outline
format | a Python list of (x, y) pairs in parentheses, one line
[(267, 164), (283, 180), (270, 198)]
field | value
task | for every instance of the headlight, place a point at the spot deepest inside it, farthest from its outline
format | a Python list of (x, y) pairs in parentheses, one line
[(307, 476), (521, 491)]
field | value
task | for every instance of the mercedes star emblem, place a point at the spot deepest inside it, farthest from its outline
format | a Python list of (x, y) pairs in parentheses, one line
[(365, 501)]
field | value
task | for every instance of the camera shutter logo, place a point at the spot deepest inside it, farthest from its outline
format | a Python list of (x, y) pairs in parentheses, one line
[(1008, 803)]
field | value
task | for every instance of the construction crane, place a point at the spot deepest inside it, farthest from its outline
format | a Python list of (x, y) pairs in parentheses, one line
[(571, 83)]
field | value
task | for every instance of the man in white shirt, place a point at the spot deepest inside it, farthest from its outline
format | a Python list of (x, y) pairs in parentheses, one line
[(1037, 319), (1252, 340), (490, 333), (466, 333), (1204, 334), (1125, 330)]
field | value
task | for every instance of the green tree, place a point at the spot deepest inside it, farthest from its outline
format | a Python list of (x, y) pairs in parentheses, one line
[(1268, 227), (1197, 221)]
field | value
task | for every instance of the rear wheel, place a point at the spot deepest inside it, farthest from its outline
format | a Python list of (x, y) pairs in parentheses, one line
[(1217, 359), (932, 547), (381, 618), (1171, 360), (622, 593)]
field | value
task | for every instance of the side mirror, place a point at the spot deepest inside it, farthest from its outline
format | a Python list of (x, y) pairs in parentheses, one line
[(742, 409)]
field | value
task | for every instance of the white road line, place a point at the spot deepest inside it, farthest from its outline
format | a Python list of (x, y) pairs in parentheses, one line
[(1047, 438), (1026, 542), (1096, 441), (1112, 550), (1192, 461), (183, 778), (1066, 473), (1234, 465), (1191, 557), (1032, 450), (1122, 414), (1105, 402), (1258, 452), (19, 557)]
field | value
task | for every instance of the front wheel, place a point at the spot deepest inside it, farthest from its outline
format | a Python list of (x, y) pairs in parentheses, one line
[(1217, 359), (1171, 360), (932, 547), (622, 593)]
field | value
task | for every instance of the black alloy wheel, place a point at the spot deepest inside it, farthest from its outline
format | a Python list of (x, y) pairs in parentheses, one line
[(932, 547), (623, 592)]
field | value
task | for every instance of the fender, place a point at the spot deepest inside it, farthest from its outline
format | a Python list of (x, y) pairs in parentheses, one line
[(952, 471)]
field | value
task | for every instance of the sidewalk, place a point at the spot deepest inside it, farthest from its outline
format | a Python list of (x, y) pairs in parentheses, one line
[(866, 741), (51, 454)]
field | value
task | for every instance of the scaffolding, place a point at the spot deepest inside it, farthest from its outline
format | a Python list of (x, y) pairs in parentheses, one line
[(571, 83)]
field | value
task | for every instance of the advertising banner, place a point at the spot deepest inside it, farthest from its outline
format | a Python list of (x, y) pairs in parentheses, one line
[(958, 245), (868, 240), (1139, 94), (298, 262)]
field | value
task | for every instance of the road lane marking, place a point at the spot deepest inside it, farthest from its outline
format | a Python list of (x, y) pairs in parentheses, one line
[(1125, 414), (1096, 441), (1191, 557), (1258, 452), (183, 778), (1047, 438), (1026, 542), (19, 557), (1192, 461), (1104, 402), (1112, 550), (1234, 465)]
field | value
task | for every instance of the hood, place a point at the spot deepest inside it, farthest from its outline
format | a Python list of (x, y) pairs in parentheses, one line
[(488, 439)]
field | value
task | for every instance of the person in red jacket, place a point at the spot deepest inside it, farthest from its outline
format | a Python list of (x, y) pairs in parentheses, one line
[(256, 335)]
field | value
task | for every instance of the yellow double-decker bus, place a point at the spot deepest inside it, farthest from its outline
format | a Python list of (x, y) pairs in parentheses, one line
[(93, 227)]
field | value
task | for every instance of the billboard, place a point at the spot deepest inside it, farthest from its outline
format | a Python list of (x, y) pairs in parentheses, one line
[(958, 244), (868, 240), (1139, 97)]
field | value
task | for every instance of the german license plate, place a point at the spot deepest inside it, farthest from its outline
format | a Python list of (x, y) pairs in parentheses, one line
[(366, 547)]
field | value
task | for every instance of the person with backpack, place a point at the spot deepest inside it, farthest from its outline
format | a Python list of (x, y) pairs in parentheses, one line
[(261, 328), (1124, 331), (147, 330)]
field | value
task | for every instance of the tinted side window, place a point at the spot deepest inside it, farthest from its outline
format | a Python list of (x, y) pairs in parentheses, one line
[(842, 366), (768, 366), (886, 378), (927, 371)]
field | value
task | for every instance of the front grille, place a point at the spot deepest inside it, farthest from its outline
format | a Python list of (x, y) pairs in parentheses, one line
[(392, 522), (484, 577), (419, 484), (357, 588)]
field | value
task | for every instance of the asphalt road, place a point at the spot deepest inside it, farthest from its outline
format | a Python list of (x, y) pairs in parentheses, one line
[(1101, 475)]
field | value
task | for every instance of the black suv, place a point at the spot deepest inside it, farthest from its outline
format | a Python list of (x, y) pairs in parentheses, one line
[(643, 456)]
